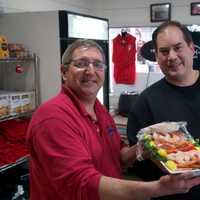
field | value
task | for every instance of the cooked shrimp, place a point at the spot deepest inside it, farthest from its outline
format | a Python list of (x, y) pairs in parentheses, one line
[(185, 159), (175, 137)]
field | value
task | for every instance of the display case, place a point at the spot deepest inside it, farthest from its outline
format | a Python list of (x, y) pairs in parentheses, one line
[(19, 97), (73, 26), (19, 91)]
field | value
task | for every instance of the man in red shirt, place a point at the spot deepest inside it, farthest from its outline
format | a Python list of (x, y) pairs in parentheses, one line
[(76, 151)]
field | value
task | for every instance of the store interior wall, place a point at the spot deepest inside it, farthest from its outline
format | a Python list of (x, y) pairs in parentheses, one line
[(39, 32), (81, 6), (120, 14), (123, 14), (137, 12), (144, 76), (21, 23)]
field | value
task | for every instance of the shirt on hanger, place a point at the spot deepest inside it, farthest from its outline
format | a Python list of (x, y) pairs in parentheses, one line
[(124, 51)]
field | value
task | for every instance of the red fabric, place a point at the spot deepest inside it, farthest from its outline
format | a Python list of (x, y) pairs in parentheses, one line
[(11, 152), (12, 141), (14, 130), (68, 154), (124, 50)]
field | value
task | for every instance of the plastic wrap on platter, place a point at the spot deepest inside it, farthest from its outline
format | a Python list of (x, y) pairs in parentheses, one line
[(170, 146)]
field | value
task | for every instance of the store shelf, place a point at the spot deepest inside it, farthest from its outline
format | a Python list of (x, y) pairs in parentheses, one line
[(16, 116), (18, 162), (25, 59), (29, 75), (25, 81)]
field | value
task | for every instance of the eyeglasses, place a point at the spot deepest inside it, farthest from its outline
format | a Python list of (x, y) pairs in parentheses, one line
[(84, 63)]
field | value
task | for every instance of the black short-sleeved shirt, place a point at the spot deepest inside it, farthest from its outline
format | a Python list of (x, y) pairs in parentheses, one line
[(165, 102)]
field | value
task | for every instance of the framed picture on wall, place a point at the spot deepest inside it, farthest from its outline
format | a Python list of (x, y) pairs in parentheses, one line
[(160, 12), (195, 8)]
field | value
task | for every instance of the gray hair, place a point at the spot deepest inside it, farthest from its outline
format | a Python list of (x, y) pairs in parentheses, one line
[(67, 55)]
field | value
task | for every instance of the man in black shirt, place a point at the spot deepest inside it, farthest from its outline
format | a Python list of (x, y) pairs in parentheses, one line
[(176, 97)]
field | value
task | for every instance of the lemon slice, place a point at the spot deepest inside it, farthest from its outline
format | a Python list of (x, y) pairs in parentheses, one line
[(197, 148), (171, 165), (162, 152), (152, 144)]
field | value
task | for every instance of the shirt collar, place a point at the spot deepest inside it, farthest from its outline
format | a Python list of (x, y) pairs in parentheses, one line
[(67, 91)]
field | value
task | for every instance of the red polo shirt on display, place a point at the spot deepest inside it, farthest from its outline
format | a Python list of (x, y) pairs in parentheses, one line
[(124, 50), (69, 151)]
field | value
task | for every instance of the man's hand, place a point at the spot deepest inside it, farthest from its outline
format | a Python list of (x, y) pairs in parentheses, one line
[(177, 183)]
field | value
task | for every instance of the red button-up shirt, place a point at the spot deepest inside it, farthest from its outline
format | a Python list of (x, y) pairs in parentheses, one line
[(69, 151)]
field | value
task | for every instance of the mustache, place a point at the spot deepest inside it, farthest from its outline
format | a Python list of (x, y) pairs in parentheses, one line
[(174, 62)]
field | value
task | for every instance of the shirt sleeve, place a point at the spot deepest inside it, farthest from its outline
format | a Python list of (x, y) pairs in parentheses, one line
[(139, 117), (65, 158)]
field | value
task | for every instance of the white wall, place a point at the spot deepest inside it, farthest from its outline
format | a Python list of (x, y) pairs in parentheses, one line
[(39, 32), (120, 14), (129, 13), (137, 12), (81, 6), (28, 28), (143, 80)]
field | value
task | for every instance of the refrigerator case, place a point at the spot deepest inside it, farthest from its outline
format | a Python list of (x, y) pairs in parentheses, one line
[(81, 25)]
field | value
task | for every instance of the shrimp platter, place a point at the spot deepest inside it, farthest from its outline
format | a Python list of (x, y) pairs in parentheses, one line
[(171, 146)]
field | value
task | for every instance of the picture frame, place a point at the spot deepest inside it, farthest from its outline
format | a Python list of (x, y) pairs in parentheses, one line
[(195, 8), (160, 12)]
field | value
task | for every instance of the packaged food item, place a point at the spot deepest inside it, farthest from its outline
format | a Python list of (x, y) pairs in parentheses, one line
[(18, 51), (27, 101), (14, 103), (171, 147), (4, 53), (4, 105)]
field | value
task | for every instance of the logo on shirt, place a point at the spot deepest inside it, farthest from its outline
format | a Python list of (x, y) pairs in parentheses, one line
[(111, 130), (129, 47)]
